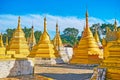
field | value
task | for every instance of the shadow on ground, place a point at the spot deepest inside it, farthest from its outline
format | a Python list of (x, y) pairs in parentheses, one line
[(71, 66), (68, 76)]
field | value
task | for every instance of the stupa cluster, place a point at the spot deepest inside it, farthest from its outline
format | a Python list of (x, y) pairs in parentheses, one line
[(87, 51)]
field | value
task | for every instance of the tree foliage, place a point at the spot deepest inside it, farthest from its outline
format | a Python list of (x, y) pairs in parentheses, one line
[(27, 31), (70, 36), (9, 33), (102, 28), (37, 35)]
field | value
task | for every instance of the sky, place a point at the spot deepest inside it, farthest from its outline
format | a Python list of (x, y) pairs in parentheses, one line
[(68, 13)]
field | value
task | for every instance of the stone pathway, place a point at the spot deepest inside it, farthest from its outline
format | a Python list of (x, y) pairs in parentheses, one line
[(58, 72), (28, 77), (65, 71)]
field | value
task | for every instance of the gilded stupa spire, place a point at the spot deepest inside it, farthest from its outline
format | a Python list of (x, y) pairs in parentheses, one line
[(87, 31), (1, 41), (45, 25), (45, 38), (19, 26), (32, 35), (32, 40), (6, 41), (87, 19), (57, 39), (115, 25), (57, 28), (96, 35)]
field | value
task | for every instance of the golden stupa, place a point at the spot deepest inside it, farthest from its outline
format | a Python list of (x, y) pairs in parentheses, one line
[(3, 53), (18, 43), (57, 42), (6, 44), (87, 50), (57, 39), (111, 45), (32, 40), (97, 38), (44, 49), (2, 48), (59, 47)]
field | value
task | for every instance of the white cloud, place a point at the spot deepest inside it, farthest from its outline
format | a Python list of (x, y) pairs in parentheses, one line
[(112, 21), (10, 21), (93, 20)]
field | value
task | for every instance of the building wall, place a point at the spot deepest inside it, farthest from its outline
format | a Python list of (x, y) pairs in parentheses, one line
[(69, 52)]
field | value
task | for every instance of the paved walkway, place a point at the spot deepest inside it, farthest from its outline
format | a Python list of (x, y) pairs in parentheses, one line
[(58, 72), (65, 71)]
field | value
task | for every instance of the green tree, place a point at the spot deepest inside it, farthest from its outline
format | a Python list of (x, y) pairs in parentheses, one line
[(4, 38), (70, 36), (92, 28), (9, 34), (103, 27), (27, 32), (37, 35)]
